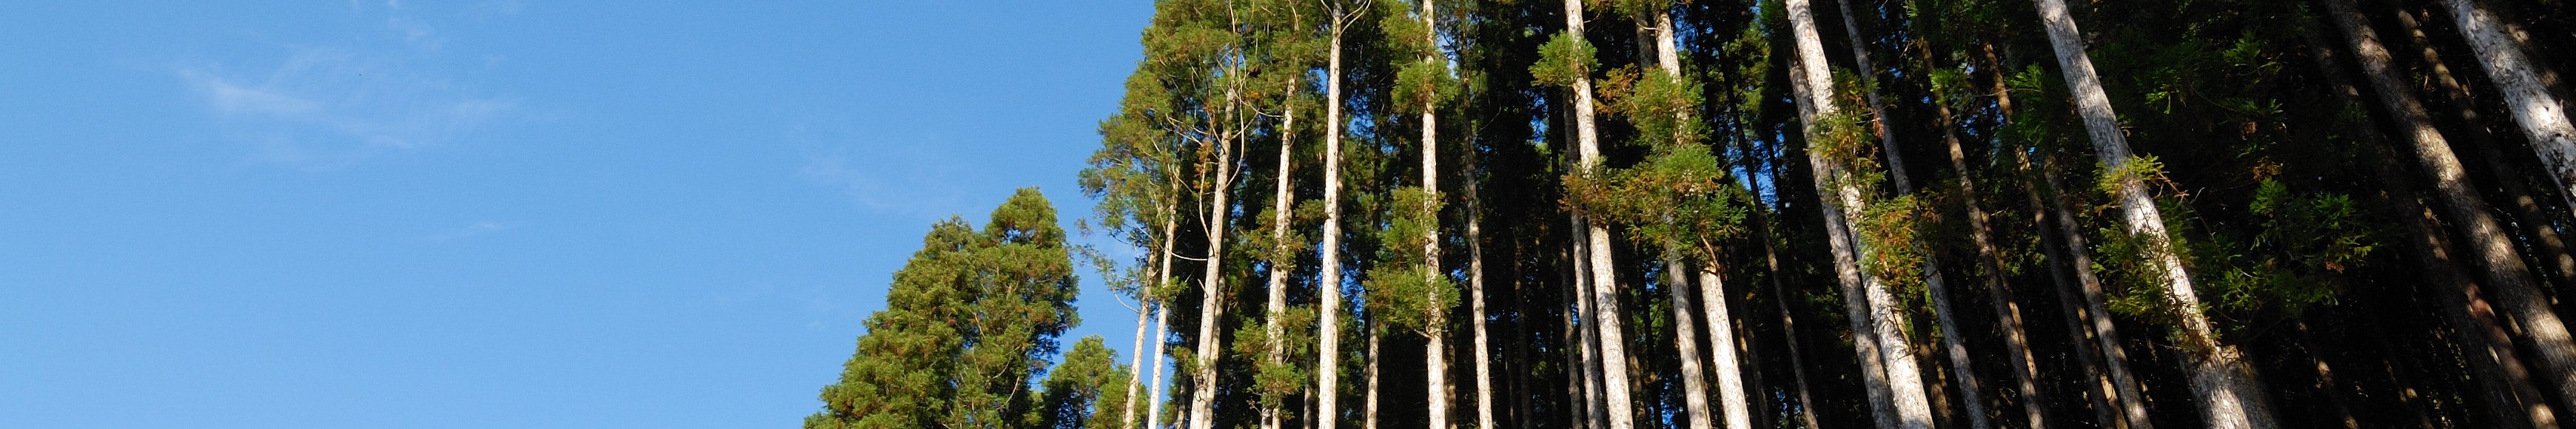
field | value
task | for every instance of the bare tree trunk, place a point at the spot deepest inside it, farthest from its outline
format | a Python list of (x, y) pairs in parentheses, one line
[(1277, 306), (2115, 358), (1686, 341), (2107, 397), (2518, 291), (1212, 288), (1971, 396), (1146, 303), (2007, 311), (2526, 210), (2543, 119), (1368, 401), (2225, 384), (1721, 326), (1435, 329), (1605, 286), (1136, 361), (2506, 383), (1780, 298), (1595, 410), (1476, 298), (1163, 315), (1887, 363), (1686, 334), (1328, 368)]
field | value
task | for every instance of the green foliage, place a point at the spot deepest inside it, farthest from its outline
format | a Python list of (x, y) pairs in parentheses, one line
[(1084, 390), (1404, 289), (966, 325), (1564, 60)]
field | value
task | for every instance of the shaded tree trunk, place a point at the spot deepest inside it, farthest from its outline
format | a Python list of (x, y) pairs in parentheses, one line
[(2516, 288), (2542, 118)]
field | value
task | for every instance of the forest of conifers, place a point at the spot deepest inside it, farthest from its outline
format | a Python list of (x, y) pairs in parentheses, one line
[(1623, 214)]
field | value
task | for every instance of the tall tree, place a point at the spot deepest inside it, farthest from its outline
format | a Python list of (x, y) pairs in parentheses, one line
[(966, 324), (2518, 291), (1329, 332), (2219, 374), (1888, 368), (2543, 116)]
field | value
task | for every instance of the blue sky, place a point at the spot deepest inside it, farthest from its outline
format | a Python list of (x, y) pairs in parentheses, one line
[(400, 214)]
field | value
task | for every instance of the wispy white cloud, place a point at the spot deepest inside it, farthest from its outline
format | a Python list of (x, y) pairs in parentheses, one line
[(913, 179), (478, 228), (332, 105)]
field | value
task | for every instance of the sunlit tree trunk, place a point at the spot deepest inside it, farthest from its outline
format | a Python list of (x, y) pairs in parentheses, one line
[(2219, 375), (1971, 397), (1604, 318), (1435, 328), (1888, 368), (1686, 341), (1328, 353), (2539, 113), (1212, 283), (1277, 306), (2552, 249), (1162, 314), (1476, 298), (2516, 288)]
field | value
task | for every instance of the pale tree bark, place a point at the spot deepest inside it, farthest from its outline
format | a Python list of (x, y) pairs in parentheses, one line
[(2115, 358), (1212, 283), (1476, 299), (1594, 410), (2552, 249), (2100, 391), (2542, 118), (1146, 303), (1163, 314), (1368, 400), (1730, 369), (1435, 329), (1136, 362), (1686, 341), (2220, 377), (1328, 353), (1277, 306), (1686, 335), (1888, 368), (1605, 319), (2516, 288), (2506, 381), (1971, 394)]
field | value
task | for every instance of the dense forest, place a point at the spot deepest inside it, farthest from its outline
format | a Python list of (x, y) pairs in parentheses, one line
[(1624, 214)]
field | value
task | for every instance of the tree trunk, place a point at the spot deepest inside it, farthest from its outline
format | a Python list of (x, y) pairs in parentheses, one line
[(1605, 288), (1887, 363), (1163, 315), (1212, 288), (1595, 410), (1146, 303), (2115, 358), (1136, 362), (1780, 296), (1998, 296), (1435, 329), (1277, 306), (1686, 335), (1368, 400), (2542, 118), (1476, 298), (2102, 394), (2527, 212), (1686, 341), (1328, 368), (1971, 395), (2220, 377), (1721, 326), (2518, 291)]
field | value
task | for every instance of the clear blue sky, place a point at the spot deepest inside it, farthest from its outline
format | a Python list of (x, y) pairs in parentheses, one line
[(504, 214)]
